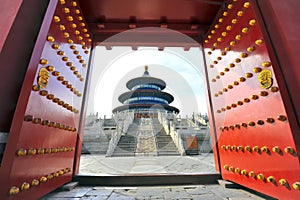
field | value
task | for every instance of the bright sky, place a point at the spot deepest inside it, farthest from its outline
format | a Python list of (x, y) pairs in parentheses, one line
[(183, 77), (181, 70)]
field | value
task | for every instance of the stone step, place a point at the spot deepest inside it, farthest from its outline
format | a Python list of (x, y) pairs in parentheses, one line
[(164, 144), (123, 154), (127, 142), (168, 153), (146, 154), (124, 151), (163, 136), (127, 146), (164, 139), (168, 148)]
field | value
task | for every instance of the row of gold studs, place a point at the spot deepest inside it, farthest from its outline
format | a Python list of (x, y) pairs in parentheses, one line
[(39, 151), (73, 68), (228, 28), (243, 79), (35, 182), (226, 49), (73, 47), (78, 56), (62, 79), (67, 10), (246, 100), (66, 59), (265, 149), (235, 83), (46, 122), (70, 18), (238, 60), (230, 6), (45, 93), (67, 84), (238, 37), (77, 32), (261, 177), (44, 61), (250, 49), (233, 43), (73, 3), (252, 123), (74, 26)]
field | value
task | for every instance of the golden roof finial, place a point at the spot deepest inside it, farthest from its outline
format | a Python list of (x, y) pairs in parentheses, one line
[(146, 68)]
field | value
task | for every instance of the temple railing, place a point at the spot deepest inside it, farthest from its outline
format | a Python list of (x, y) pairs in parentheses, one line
[(167, 121), (123, 120), (200, 119)]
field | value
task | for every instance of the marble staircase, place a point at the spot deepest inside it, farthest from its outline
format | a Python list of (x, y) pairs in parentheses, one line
[(164, 142), (127, 143), (146, 137)]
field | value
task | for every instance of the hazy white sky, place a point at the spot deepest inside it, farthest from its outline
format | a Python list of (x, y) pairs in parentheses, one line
[(181, 70)]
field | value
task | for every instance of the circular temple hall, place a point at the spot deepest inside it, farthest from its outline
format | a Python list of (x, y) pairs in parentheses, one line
[(146, 97)]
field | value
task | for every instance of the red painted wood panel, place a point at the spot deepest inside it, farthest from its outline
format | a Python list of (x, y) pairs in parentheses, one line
[(41, 147), (23, 33), (8, 12), (254, 122), (281, 21)]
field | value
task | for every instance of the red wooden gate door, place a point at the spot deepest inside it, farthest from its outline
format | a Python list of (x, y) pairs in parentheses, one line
[(255, 124), (40, 151)]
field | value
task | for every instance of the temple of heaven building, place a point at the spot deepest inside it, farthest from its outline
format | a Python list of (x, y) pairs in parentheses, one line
[(146, 97)]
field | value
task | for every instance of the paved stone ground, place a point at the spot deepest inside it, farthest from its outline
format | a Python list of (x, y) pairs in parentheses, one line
[(101, 165), (194, 192)]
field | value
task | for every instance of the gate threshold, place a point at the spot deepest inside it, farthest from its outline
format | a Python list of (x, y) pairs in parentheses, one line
[(147, 179)]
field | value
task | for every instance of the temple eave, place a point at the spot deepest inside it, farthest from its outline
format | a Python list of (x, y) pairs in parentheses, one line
[(146, 93), (145, 80), (146, 106)]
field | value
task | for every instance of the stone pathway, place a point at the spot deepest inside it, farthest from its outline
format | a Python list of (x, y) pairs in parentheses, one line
[(187, 192), (146, 144), (101, 165), (150, 165)]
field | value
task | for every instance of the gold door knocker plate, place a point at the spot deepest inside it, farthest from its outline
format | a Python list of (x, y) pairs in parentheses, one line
[(265, 79), (43, 78)]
